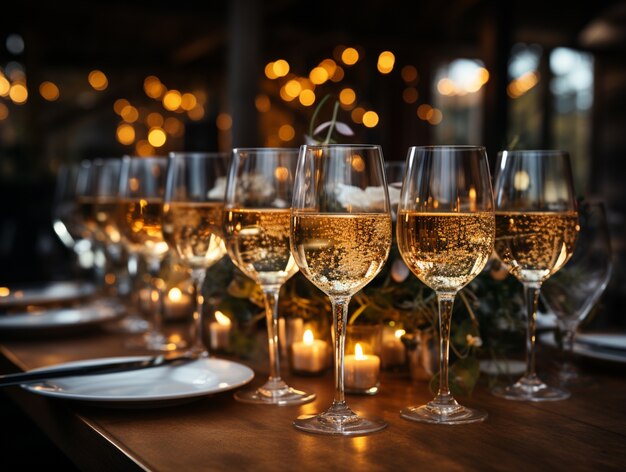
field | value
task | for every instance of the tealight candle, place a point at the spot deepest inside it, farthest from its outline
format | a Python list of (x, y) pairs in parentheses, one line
[(310, 355), (361, 371), (219, 331), (393, 352), (177, 304)]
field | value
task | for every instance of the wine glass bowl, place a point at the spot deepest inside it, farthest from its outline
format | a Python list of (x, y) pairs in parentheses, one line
[(340, 237), (445, 231), (536, 230), (572, 293), (141, 191), (257, 212), (192, 221)]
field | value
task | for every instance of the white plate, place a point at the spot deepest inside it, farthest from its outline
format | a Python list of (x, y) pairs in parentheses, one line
[(154, 385), (55, 292), (607, 352), (93, 313), (604, 340)]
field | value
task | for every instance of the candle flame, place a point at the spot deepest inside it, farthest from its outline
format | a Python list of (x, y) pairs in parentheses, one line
[(358, 352), (472, 198), (222, 319), (175, 294), (307, 337), (399, 333)]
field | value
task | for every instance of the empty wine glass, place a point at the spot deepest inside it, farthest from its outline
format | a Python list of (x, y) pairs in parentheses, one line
[(573, 291), (536, 230), (257, 212), (446, 231), (142, 185), (340, 237), (192, 220)]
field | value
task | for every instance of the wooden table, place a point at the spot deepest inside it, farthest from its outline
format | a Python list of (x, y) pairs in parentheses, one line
[(586, 432)]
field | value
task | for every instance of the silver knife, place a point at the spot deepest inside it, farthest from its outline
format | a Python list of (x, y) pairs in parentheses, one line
[(95, 369)]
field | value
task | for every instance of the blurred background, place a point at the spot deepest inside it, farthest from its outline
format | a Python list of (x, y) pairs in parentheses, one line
[(102, 79)]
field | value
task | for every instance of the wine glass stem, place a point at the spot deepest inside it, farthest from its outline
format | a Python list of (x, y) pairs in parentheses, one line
[(340, 317), (271, 313), (568, 350), (445, 301), (197, 276), (156, 295), (531, 297)]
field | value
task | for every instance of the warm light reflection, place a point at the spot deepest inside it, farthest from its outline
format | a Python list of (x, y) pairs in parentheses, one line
[(197, 113), (49, 91), (370, 119), (262, 103), (307, 97), (424, 111), (153, 87), (522, 84), (521, 180), (18, 93), (224, 121), (125, 134), (5, 291), (386, 61), (130, 114), (349, 56), (269, 71), (435, 116), (338, 75), (98, 80), (399, 333), (318, 75), (357, 115), (157, 137), (330, 66), (357, 163), (280, 68), (410, 95), (119, 105), (4, 112), (172, 100), (154, 119), (188, 101), (347, 96), (409, 74), (5, 86), (143, 148), (174, 127), (286, 133), (293, 88), (281, 173), (308, 338)]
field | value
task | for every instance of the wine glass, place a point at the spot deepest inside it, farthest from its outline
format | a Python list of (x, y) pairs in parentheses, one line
[(446, 231), (142, 185), (65, 215), (256, 228), (536, 230), (340, 237), (572, 292), (192, 220)]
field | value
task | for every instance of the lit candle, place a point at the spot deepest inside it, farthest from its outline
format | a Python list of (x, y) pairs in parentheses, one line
[(177, 304), (361, 371), (310, 355), (219, 331), (393, 350)]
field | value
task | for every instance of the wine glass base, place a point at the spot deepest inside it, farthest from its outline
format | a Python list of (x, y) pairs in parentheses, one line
[(282, 397), (448, 414), (531, 392), (352, 426)]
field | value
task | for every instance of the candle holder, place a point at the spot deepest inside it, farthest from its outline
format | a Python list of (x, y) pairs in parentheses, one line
[(362, 359), (393, 350)]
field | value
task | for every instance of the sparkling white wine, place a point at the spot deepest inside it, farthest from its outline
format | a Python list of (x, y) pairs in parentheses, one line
[(257, 241), (105, 216), (446, 250), (140, 223), (535, 245), (341, 253), (195, 230)]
